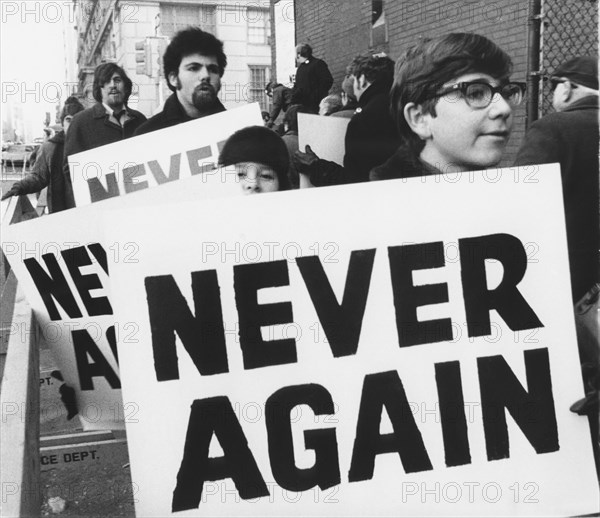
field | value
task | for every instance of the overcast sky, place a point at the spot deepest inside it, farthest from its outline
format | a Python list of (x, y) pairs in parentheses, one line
[(32, 53)]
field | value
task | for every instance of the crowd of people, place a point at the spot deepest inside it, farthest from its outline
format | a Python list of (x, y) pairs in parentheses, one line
[(445, 105)]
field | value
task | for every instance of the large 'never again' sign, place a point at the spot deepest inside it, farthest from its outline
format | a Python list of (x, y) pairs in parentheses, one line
[(156, 158), (423, 365)]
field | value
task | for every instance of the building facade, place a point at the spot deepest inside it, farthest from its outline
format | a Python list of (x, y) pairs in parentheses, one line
[(110, 29)]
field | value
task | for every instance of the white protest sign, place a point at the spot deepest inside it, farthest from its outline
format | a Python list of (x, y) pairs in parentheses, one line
[(416, 357), (156, 158), (325, 136), (62, 263)]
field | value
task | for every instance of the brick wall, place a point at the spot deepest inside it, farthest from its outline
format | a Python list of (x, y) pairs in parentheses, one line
[(338, 30)]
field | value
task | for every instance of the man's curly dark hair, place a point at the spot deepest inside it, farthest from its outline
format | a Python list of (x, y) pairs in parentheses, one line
[(191, 41)]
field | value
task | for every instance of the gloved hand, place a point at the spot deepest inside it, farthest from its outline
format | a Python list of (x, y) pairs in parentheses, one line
[(302, 161), (15, 190)]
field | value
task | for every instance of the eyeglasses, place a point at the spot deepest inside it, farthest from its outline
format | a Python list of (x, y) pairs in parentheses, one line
[(479, 94)]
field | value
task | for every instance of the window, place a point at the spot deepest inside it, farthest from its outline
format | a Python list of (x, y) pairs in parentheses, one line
[(378, 23), (259, 26), (258, 80), (175, 17)]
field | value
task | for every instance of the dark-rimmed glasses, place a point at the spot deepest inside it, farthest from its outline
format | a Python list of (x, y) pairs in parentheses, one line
[(479, 94)]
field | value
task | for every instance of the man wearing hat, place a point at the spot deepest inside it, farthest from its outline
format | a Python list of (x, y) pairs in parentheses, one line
[(570, 136)]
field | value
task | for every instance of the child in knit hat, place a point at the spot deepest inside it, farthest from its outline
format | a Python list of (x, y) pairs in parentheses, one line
[(260, 158)]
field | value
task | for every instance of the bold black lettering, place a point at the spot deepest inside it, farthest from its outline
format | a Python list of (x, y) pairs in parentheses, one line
[(408, 297), (341, 322), (100, 255), (533, 411), (174, 169), (97, 190), (85, 348), (75, 258), (452, 413), (132, 172), (53, 287), (202, 335), (381, 390), (248, 279), (506, 298), (195, 155), (326, 470), (208, 417)]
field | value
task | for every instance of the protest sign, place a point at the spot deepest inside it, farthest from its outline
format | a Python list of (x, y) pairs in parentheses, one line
[(325, 136), (62, 263), (156, 158), (414, 357)]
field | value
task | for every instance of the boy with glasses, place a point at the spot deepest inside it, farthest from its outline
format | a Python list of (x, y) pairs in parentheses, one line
[(453, 103)]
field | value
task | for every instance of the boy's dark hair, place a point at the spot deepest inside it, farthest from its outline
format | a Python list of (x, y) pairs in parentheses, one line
[(425, 67), (102, 75), (71, 107), (191, 41), (374, 68)]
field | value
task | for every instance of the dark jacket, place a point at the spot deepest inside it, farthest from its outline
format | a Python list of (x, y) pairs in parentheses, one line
[(371, 138), (48, 172), (173, 113), (570, 137), (281, 100), (92, 128), (313, 81), (402, 164)]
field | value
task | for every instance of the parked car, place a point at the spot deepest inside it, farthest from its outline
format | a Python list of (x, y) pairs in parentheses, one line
[(18, 154)]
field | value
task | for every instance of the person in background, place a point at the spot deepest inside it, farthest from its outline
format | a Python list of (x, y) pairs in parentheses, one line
[(349, 101), (110, 119), (570, 136), (330, 105), (313, 79), (453, 102), (48, 168), (260, 158), (281, 97), (371, 136), (193, 63)]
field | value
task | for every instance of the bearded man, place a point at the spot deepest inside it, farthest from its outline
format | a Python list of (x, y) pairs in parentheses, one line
[(193, 63)]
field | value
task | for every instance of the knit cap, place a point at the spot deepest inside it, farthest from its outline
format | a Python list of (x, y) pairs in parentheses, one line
[(257, 144)]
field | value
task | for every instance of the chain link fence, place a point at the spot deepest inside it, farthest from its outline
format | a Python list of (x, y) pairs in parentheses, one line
[(569, 29)]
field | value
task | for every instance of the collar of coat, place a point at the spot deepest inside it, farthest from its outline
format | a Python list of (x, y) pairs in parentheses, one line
[(174, 110), (585, 103), (373, 90), (99, 112)]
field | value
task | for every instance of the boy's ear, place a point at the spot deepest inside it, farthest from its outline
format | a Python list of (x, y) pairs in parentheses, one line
[(417, 120)]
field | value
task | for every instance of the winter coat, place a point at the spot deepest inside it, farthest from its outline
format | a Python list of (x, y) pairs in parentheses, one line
[(313, 81), (371, 138), (173, 113), (92, 128), (48, 172), (570, 137)]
